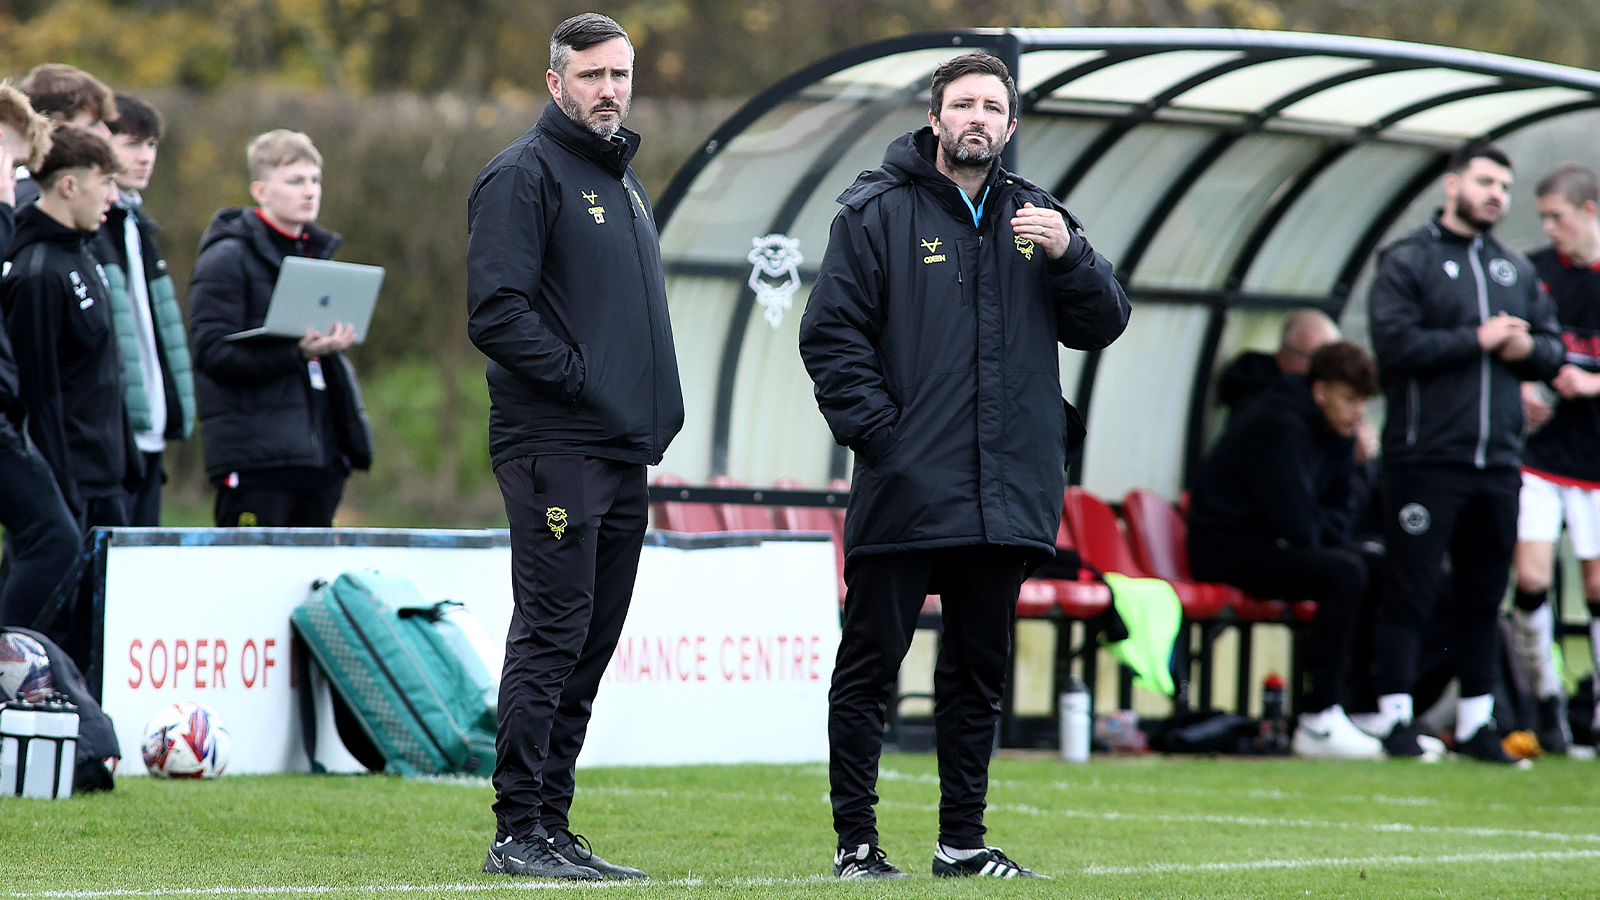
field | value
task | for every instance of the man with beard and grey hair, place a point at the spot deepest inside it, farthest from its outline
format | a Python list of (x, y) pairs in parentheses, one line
[(566, 297), (1459, 321), (931, 337)]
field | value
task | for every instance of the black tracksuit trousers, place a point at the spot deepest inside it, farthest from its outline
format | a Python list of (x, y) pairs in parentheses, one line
[(1431, 510), (884, 592), (42, 537), (1334, 577), (577, 524)]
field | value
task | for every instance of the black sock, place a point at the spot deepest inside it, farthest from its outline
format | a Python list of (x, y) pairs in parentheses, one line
[(1594, 608), (1528, 601)]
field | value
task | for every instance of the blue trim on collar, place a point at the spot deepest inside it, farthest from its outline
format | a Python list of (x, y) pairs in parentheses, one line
[(977, 211)]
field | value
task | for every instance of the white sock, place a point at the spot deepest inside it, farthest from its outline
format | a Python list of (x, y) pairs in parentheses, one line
[(1532, 636), (1395, 709), (1472, 713), (957, 853)]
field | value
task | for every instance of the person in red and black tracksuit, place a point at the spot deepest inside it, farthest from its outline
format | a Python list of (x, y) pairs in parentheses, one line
[(931, 337), (1458, 320), (567, 299), (41, 534), (1561, 468)]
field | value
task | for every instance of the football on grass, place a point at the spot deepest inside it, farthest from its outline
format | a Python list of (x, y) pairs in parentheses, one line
[(24, 669), (186, 740)]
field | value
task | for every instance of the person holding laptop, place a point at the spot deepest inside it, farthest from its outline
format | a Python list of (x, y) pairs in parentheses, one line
[(282, 421)]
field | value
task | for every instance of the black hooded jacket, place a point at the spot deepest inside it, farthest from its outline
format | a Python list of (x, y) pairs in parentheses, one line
[(58, 315), (1278, 472), (565, 295), (1448, 400), (255, 396), (932, 345)]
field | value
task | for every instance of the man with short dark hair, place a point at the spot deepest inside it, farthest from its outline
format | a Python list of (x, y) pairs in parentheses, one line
[(1270, 512), (144, 306), (1561, 468), (566, 297), (57, 310), (1458, 321), (932, 337), (41, 535)]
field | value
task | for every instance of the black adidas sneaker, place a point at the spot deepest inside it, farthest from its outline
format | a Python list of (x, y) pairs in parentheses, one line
[(865, 861), (990, 862), (535, 858)]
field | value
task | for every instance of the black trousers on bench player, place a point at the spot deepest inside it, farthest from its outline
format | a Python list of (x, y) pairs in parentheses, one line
[(884, 592), (577, 524)]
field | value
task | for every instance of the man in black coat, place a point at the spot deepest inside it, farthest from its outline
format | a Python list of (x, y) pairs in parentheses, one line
[(566, 297), (931, 336), (58, 314), (1270, 512), (282, 420), (41, 534), (1458, 321)]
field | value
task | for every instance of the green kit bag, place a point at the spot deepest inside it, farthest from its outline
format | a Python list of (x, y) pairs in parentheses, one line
[(397, 672)]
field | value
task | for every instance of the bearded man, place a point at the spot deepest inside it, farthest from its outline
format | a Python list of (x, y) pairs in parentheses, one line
[(931, 337), (1459, 320), (566, 297)]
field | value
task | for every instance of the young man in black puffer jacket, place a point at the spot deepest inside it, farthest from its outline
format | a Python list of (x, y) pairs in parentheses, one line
[(282, 421)]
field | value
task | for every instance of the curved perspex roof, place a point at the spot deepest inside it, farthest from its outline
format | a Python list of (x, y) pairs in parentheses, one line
[(1229, 175)]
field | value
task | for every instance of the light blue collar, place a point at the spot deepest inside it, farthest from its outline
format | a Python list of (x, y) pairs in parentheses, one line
[(977, 211)]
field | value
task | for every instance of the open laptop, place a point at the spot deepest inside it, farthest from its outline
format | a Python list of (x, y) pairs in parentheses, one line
[(314, 294)]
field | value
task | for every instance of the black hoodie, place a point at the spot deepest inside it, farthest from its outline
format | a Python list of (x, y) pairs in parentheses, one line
[(932, 345), (1279, 472), (566, 297), (260, 412), (58, 314)]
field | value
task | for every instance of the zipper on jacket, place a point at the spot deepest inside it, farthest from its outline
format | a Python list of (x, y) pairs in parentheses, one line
[(1413, 411), (655, 388), (1480, 453)]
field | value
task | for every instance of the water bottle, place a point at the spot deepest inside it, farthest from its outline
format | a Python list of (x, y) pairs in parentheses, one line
[(1075, 727), (1274, 715)]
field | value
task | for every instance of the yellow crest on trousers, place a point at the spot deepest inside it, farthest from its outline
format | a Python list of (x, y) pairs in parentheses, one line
[(557, 517)]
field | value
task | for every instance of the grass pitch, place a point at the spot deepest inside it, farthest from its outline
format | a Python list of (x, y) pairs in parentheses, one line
[(1120, 828)]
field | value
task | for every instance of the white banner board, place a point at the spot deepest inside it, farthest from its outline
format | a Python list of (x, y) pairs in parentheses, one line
[(726, 656)]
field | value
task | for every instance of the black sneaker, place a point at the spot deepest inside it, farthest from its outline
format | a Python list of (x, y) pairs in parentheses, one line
[(1555, 735), (1485, 745), (865, 861), (534, 858), (574, 848), (1402, 741), (990, 862)]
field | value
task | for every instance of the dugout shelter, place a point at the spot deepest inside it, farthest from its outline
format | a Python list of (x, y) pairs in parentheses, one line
[(1230, 175)]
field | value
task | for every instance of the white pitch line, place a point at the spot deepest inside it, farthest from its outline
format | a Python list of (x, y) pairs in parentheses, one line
[(1337, 862)]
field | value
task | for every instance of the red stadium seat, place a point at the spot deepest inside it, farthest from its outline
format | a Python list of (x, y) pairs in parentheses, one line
[(740, 516), (689, 518), (1159, 540), (1102, 544)]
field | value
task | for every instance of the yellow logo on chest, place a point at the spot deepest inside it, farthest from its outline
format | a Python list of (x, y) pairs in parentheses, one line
[(599, 212), (1024, 246), (934, 256), (557, 517)]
